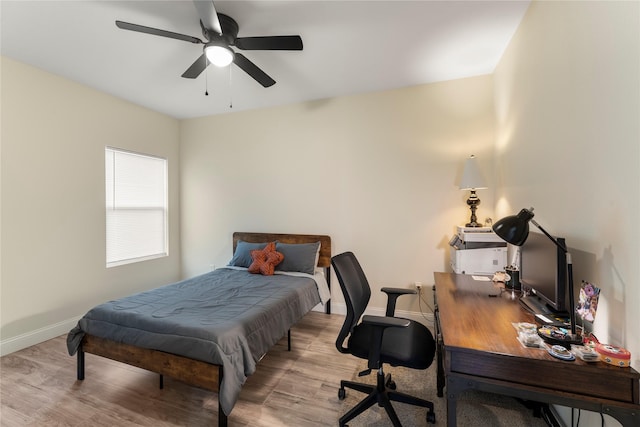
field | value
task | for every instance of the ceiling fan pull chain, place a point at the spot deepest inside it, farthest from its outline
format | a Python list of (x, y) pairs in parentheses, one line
[(230, 90), (206, 77)]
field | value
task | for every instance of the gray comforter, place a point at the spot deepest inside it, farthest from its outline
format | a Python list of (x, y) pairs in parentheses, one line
[(225, 317)]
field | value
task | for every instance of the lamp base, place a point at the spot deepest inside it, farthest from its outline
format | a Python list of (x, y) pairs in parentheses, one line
[(473, 201), (554, 336)]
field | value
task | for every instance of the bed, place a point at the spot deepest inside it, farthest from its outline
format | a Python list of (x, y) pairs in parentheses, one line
[(210, 331)]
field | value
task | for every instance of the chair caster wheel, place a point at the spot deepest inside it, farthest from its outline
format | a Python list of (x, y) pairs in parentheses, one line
[(342, 393), (431, 417), (392, 385)]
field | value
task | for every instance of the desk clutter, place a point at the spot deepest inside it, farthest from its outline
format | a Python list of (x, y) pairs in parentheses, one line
[(613, 355), (586, 353), (528, 335), (590, 350), (562, 353)]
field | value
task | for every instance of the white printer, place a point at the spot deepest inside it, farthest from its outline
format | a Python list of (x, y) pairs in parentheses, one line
[(477, 250)]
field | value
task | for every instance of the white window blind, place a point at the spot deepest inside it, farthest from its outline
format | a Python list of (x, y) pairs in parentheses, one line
[(136, 206)]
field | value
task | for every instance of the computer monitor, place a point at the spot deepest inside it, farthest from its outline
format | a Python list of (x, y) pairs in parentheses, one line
[(544, 272)]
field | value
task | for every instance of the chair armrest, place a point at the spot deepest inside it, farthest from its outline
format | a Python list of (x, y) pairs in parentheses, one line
[(385, 322), (400, 291), (379, 324), (392, 296)]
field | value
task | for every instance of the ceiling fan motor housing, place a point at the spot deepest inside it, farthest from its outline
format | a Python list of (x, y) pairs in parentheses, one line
[(229, 30)]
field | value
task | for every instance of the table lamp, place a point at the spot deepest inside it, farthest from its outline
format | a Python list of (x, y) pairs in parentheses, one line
[(514, 229), (472, 180)]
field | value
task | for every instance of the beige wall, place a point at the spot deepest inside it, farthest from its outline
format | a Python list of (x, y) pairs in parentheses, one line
[(53, 137), (568, 143), (377, 172)]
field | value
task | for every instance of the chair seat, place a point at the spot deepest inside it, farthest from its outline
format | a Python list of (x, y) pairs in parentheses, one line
[(412, 346)]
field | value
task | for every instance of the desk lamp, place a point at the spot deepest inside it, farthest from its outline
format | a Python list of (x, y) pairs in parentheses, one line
[(514, 229), (472, 180)]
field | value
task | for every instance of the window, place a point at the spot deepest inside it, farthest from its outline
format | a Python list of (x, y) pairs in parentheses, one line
[(136, 207)]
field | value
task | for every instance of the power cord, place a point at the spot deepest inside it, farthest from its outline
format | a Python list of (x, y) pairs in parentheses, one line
[(577, 424), (548, 417), (421, 300)]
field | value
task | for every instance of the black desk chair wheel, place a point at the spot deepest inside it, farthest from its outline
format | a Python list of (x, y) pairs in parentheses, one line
[(380, 340)]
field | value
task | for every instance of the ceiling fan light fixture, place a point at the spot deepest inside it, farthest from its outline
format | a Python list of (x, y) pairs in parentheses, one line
[(218, 55)]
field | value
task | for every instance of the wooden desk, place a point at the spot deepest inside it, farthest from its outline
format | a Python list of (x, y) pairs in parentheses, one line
[(478, 349)]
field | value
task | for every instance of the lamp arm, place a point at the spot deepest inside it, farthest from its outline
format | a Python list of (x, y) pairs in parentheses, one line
[(553, 239), (572, 314), (572, 311)]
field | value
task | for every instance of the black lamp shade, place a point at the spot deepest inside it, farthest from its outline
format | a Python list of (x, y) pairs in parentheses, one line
[(514, 229)]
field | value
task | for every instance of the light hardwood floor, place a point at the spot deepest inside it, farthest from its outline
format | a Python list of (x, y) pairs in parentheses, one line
[(297, 388)]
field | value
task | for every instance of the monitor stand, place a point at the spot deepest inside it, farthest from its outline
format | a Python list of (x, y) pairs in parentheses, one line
[(535, 305), (544, 313)]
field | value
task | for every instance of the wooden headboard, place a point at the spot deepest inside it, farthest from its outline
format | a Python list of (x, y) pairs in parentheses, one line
[(324, 260)]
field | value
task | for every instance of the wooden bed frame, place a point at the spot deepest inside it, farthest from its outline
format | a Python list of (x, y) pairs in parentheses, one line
[(193, 372)]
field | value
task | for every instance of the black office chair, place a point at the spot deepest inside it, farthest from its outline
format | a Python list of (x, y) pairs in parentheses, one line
[(398, 342)]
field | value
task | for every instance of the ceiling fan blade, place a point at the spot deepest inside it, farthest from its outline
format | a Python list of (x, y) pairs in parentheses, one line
[(269, 43), (208, 15), (196, 68), (157, 32), (253, 70)]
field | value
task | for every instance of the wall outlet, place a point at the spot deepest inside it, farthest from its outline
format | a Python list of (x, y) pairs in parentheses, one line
[(418, 286)]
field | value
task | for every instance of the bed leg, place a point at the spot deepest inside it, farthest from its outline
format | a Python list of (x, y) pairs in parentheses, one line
[(327, 306), (289, 340), (161, 383), (80, 364), (222, 417)]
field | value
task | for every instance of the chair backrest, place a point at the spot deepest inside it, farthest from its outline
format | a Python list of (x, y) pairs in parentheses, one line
[(356, 291)]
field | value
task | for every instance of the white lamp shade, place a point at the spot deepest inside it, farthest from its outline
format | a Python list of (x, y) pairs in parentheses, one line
[(472, 178), (220, 56)]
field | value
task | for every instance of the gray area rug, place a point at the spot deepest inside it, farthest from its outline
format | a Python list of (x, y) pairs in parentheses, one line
[(475, 408)]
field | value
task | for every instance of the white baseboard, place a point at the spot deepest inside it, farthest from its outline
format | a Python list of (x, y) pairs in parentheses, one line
[(424, 318), (20, 342)]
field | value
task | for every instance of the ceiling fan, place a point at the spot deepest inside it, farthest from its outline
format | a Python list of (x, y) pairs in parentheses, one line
[(221, 32)]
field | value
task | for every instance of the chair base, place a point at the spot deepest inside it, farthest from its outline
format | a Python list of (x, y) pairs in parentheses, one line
[(382, 394)]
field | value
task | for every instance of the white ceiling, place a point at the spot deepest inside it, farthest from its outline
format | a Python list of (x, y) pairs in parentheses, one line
[(349, 47)]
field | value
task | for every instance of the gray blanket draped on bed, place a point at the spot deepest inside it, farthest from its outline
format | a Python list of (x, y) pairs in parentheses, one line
[(225, 317)]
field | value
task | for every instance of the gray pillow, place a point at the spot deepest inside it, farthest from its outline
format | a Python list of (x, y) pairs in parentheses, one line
[(298, 257), (242, 255)]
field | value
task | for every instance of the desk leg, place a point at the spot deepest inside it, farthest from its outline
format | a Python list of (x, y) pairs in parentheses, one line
[(626, 417), (440, 370), (452, 401), (439, 350)]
